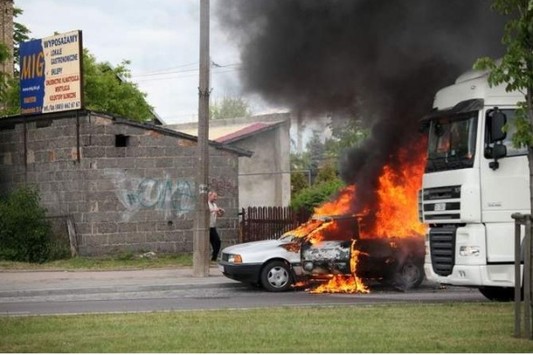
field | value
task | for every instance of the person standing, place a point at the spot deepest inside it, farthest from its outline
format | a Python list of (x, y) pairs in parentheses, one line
[(214, 212)]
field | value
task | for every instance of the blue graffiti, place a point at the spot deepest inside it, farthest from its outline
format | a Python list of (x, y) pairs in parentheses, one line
[(163, 194), (174, 197)]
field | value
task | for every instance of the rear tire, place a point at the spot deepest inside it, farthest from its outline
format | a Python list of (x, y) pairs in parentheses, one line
[(276, 276), (498, 294)]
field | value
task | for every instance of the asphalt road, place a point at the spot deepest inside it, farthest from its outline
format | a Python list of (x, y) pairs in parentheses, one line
[(39, 293)]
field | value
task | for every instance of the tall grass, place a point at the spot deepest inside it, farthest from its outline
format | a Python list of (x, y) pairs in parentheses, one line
[(450, 328)]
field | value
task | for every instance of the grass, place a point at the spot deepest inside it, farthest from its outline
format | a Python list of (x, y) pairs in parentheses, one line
[(121, 262), (449, 328)]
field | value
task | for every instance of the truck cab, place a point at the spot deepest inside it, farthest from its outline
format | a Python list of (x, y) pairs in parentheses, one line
[(474, 180)]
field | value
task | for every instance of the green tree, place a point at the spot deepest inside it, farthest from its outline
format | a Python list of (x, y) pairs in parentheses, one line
[(9, 85), (229, 107), (345, 134), (20, 34), (299, 172), (4, 57), (316, 149), (315, 195), (516, 68), (107, 89), (327, 172)]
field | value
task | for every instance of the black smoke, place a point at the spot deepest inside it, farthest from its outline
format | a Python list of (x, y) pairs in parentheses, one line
[(380, 61)]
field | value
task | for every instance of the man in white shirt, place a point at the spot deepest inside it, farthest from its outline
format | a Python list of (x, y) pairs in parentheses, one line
[(214, 212)]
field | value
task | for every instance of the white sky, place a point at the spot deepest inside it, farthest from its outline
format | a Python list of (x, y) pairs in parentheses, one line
[(159, 37)]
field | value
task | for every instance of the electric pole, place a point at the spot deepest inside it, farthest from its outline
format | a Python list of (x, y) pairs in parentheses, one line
[(201, 231)]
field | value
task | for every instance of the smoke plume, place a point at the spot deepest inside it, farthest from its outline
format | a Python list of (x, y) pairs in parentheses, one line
[(377, 60)]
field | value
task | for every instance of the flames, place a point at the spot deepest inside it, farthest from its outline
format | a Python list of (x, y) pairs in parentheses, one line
[(396, 214), (343, 283)]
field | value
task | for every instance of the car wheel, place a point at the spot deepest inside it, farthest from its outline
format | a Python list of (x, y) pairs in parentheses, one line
[(276, 276), (409, 275)]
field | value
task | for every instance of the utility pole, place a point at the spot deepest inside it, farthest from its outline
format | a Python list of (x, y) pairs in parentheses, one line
[(201, 231)]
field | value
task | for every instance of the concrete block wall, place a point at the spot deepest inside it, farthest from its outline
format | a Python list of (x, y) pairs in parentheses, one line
[(132, 189)]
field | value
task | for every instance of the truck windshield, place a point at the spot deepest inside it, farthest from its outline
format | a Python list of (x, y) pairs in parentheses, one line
[(452, 142)]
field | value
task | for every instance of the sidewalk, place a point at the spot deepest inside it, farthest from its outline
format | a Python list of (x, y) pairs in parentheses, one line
[(18, 283)]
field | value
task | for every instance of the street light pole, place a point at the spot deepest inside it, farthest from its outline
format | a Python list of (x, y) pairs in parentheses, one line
[(201, 230)]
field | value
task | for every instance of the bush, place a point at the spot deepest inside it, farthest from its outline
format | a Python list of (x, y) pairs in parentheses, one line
[(315, 195), (25, 234)]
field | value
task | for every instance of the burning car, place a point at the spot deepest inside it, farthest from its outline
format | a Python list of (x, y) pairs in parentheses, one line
[(322, 249)]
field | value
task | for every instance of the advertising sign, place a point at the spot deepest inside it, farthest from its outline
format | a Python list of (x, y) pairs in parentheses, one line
[(51, 74)]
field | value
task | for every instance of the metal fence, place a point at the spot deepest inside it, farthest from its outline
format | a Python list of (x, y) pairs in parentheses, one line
[(260, 223), (523, 256)]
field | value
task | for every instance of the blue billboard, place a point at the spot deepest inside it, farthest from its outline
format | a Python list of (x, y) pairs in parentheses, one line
[(51, 74)]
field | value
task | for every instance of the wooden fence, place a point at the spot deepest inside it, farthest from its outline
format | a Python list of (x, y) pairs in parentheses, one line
[(260, 223)]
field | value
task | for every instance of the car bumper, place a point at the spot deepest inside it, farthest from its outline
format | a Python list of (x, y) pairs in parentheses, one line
[(248, 273)]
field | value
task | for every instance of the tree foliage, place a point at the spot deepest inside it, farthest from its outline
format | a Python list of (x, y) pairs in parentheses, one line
[(229, 107), (345, 134), (107, 90), (315, 195), (515, 69)]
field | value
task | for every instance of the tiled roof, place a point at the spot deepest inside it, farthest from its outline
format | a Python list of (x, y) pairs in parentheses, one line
[(246, 131), (233, 132)]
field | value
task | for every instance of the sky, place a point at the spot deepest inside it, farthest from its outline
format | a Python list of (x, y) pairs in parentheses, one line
[(159, 37)]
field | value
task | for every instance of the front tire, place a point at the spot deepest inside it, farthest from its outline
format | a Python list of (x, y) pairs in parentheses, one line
[(276, 276), (409, 275)]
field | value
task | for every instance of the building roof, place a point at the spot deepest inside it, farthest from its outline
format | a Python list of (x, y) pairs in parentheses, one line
[(12, 120), (228, 131), (233, 133)]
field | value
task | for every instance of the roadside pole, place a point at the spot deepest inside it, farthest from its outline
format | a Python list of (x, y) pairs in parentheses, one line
[(201, 222)]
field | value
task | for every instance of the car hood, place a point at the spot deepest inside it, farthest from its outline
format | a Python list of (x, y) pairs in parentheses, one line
[(253, 246), (261, 251)]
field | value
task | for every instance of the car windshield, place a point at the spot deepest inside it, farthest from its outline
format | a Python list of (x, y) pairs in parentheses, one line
[(452, 142)]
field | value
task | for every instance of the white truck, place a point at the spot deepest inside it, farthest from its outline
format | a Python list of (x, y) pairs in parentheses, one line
[(473, 182)]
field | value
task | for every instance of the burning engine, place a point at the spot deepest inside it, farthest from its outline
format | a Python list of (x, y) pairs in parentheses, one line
[(326, 257)]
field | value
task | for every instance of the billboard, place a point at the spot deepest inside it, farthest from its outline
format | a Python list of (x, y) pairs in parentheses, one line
[(51, 74)]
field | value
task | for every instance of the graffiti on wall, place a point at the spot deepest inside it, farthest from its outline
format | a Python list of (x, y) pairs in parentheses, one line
[(173, 197)]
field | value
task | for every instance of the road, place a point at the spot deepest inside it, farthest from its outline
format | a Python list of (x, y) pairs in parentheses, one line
[(40, 293)]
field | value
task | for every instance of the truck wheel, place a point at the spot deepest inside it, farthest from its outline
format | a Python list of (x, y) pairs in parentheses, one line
[(409, 275), (276, 277), (499, 294)]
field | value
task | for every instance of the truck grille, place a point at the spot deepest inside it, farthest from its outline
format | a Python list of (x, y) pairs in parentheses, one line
[(442, 248), (441, 204)]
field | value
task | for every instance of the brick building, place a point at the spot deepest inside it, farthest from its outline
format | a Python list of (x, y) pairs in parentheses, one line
[(125, 186)]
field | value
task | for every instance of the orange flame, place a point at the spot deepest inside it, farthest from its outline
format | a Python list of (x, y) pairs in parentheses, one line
[(396, 215), (397, 192), (345, 283), (340, 206)]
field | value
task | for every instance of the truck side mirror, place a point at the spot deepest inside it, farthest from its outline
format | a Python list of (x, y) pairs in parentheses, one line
[(498, 151), (496, 120)]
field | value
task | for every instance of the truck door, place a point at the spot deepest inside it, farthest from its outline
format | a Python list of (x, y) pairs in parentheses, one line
[(504, 190)]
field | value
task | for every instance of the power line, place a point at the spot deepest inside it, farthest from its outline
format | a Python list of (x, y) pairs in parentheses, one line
[(217, 69)]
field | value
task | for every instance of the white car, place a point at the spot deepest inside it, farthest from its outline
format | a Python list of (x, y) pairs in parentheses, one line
[(321, 248)]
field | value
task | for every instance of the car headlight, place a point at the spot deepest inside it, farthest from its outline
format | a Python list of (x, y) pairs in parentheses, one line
[(469, 250), (234, 258)]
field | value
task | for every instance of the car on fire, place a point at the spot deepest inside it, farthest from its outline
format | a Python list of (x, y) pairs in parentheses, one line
[(321, 248)]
